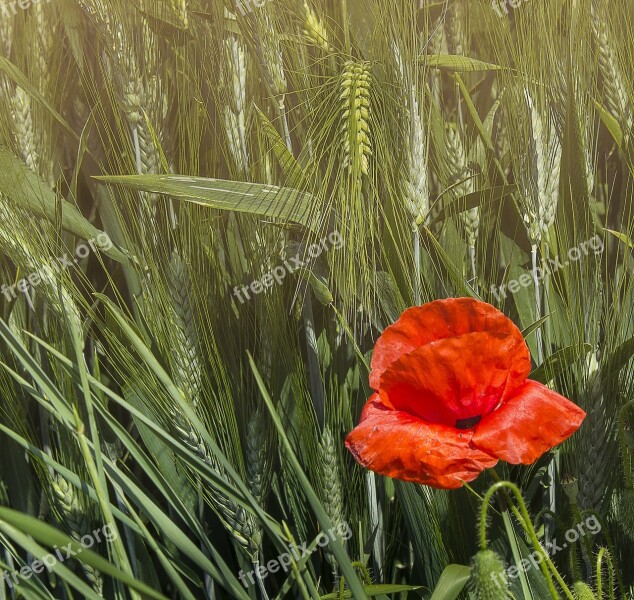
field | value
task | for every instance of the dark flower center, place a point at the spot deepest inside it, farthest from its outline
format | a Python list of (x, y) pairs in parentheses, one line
[(468, 423)]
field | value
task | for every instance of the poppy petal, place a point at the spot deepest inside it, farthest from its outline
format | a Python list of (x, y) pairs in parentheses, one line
[(529, 424), (434, 321), (402, 446), (458, 378)]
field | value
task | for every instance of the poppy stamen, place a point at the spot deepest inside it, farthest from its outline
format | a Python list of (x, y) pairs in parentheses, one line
[(468, 423)]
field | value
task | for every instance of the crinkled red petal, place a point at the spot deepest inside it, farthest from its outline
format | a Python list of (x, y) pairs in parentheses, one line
[(434, 321), (457, 378), (405, 447), (529, 424)]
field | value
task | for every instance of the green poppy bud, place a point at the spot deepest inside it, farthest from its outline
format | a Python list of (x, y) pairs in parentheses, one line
[(488, 577), (583, 592)]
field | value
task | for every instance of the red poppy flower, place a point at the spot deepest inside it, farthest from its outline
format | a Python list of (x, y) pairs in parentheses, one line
[(452, 398)]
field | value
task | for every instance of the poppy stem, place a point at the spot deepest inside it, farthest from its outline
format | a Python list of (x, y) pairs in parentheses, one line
[(545, 564), (604, 552)]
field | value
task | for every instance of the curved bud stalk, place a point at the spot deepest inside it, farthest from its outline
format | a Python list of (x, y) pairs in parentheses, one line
[(545, 564)]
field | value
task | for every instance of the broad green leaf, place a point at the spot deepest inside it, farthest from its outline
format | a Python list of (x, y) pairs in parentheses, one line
[(611, 124), (474, 200), (455, 62), (558, 362), (283, 204), (535, 326), (18, 77), (31, 193), (319, 286), (347, 570), (516, 550), (620, 357), (46, 534), (626, 239), (290, 166), (451, 583), (375, 590), (165, 23)]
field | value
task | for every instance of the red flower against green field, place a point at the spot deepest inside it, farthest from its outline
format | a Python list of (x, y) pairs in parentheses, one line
[(452, 398)]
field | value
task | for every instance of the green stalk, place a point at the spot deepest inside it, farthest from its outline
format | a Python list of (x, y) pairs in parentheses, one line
[(346, 26), (549, 494), (417, 268), (605, 552)]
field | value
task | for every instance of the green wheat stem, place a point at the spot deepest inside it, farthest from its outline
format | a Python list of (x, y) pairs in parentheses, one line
[(549, 494), (103, 498), (346, 26), (417, 268), (298, 576)]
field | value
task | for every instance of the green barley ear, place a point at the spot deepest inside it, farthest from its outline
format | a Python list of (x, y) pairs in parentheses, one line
[(456, 33), (315, 30), (583, 592), (416, 186), (187, 365), (614, 88), (415, 178), (179, 9), (73, 515), (6, 32), (488, 578), (270, 58), (257, 463), (241, 524), (541, 187), (355, 97), (233, 80), (458, 165), (332, 490)]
